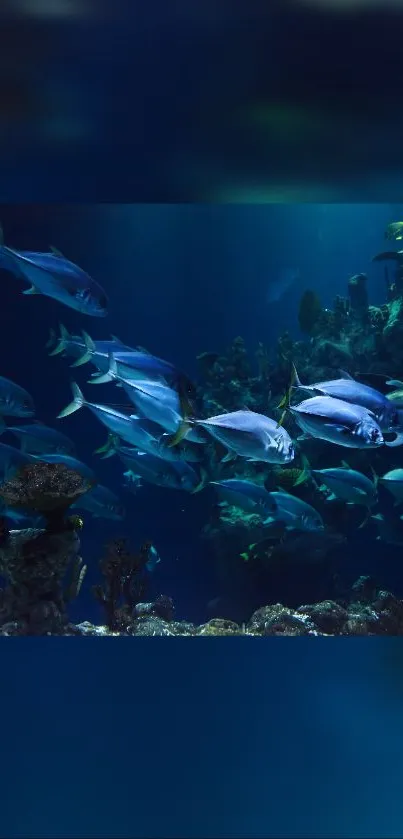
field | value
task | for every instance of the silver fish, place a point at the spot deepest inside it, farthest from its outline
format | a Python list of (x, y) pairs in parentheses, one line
[(356, 393), (338, 422), (52, 275), (250, 435)]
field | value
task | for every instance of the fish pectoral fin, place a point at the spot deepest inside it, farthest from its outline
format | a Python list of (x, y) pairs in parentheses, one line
[(342, 429), (229, 456), (32, 290), (331, 497)]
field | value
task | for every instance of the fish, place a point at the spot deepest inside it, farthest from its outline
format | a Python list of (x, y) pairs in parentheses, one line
[(349, 390), (155, 400), (299, 548), (393, 481), (163, 473), (394, 231), (245, 434), (390, 529), (396, 397), (281, 284), (185, 450), (83, 349), (154, 558), (140, 364), (294, 513), (14, 400), (336, 421), (52, 275), (102, 503), (12, 460), (21, 521), (71, 463), (133, 429), (37, 438), (247, 495), (349, 485)]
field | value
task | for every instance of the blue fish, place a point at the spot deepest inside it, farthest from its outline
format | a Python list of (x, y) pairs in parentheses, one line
[(14, 400), (338, 422), (281, 284), (52, 275), (12, 460), (153, 558), (246, 495), (101, 503), (154, 399), (36, 438), (348, 484), (294, 513), (156, 470), (134, 430), (139, 364), (21, 521), (83, 349)]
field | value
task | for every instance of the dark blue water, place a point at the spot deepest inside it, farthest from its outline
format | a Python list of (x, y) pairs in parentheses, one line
[(123, 739), (181, 280)]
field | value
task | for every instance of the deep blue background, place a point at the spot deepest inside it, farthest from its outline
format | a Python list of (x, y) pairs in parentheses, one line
[(181, 279), (220, 737)]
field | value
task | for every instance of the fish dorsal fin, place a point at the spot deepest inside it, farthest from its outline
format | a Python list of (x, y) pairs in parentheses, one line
[(143, 349), (345, 375), (345, 465), (56, 252)]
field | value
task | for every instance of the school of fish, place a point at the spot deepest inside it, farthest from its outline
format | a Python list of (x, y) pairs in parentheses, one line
[(160, 440)]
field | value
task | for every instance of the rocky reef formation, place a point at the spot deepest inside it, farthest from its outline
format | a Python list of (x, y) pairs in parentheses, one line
[(367, 611), (42, 568)]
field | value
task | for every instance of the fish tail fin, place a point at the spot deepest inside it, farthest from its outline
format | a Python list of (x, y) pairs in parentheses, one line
[(294, 382), (77, 403), (89, 350), (203, 481), (179, 435), (305, 475), (60, 342), (52, 340), (109, 448), (110, 376), (375, 476)]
